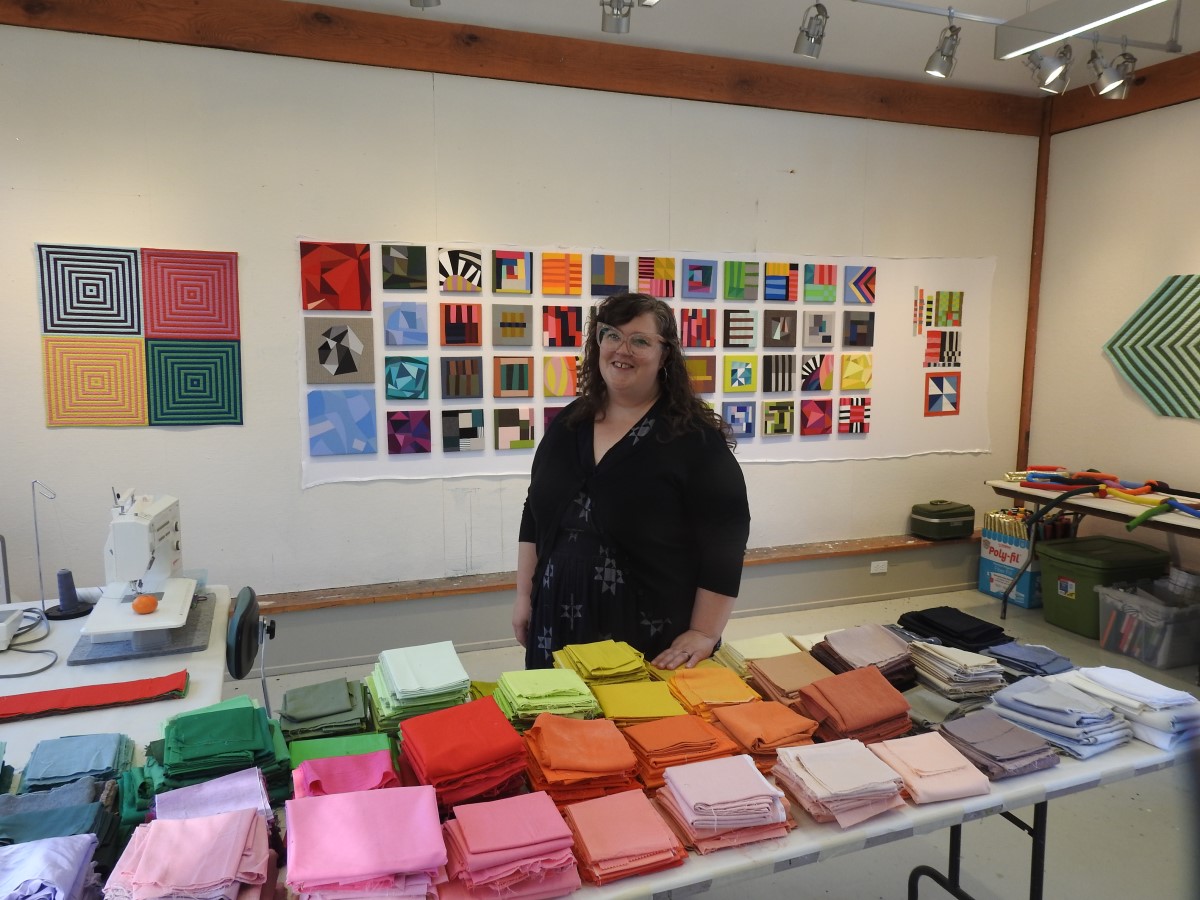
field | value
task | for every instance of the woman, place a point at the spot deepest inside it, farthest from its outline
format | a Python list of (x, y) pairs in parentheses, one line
[(636, 520)]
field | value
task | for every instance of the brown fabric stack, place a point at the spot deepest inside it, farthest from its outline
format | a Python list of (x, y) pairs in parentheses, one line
[(780, 678), (868, 645), (858, 704)]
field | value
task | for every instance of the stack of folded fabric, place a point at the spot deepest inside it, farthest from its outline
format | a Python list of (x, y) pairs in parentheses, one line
[(954, 628), (1064, 715), (700, 691), (998, 748), (838, 781), (246, 789), (339, 774), (202, 858), (807, 641), (321, 710), (489, 858), (620, 835), (576, 759), (781, 677), (958, 674), (637, 701), (928, 708), (658, 674), (867, 645), (931, 768), (1030, 659), (468, 752), (60, 760), (84, 806), (674, 741), (343, 745), (226, 737), (603, 662), (524, 695), (7, 772), (481, 689), (737, 654), (1158, 715), (410, 681), (759, 729), (859, 704), (136, 788), (344, 846), (54, 868), (722, 803)]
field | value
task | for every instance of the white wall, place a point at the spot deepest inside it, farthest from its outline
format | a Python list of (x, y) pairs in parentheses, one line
[(137, 144), (1120, 218)]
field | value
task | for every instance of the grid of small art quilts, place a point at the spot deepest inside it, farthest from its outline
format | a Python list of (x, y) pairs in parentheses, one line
[(937, 323), (139, 336)]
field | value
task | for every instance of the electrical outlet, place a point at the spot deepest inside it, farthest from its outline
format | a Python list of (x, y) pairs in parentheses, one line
[(879, 567)]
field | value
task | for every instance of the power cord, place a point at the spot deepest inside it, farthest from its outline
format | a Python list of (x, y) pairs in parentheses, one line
[(34, 619)]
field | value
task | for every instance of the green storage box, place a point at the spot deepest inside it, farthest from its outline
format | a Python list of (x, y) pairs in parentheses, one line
[(1072, 569), (941, 519)]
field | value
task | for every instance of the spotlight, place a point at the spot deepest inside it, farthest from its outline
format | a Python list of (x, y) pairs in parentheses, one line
[(424, 4), (614, 16), (1052, 74), (1123, 65), (812, 32), (941, 61), (1107, 78)]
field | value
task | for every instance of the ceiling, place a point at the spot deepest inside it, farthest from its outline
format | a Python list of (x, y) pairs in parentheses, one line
[(860, 38)]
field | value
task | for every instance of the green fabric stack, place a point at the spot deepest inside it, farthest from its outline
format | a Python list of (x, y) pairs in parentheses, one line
[(603, 662), (325, 709), (342, 745), (524, 695), (410, 681), (137, 789)]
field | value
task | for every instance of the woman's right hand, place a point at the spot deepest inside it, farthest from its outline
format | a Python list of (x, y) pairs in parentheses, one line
[(520, 619)]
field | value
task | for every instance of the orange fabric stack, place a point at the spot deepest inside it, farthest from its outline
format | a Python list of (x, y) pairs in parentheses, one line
[(859, 704), (621, 835), (674, 741), (762, 728), (578, 759), (781, 677), (701, 690)]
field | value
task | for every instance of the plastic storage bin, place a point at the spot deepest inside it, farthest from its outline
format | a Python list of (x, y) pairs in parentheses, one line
[(1073, 568), (1151, 621)]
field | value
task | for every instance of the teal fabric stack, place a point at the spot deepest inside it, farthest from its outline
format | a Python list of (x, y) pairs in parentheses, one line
[(61, 760), (323, 710), (410, 681), (524, 695), (86, 805)]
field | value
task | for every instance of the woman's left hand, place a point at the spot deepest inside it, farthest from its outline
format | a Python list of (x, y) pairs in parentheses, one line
[(686, 650)]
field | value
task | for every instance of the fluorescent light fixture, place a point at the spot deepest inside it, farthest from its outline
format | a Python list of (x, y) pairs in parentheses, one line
[(1060, 20), (812, 32), (424, 4), (941, 61)]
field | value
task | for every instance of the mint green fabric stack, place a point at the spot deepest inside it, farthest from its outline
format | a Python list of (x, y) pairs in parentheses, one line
[(409, 681), (524, 695)]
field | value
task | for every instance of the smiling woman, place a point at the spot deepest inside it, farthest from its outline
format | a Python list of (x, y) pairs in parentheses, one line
[(636, 521)]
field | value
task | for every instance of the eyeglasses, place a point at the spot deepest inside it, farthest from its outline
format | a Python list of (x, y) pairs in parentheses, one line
[(639, 343)]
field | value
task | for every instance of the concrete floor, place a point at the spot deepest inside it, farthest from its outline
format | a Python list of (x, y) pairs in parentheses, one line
[(1137, 838)]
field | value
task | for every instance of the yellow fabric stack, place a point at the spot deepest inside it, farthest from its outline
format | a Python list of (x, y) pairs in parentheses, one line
[(735, 654), (700, 690), (603, 662), (641, 701)]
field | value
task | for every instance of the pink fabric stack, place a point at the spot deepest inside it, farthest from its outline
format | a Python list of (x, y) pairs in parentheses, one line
[(345, 845), (518, 847), (219, 857), (932, 768), (341, 774), (620, 835), (838, 781)]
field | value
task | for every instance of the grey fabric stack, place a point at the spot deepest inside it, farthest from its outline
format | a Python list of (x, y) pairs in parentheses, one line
[(997, 747)]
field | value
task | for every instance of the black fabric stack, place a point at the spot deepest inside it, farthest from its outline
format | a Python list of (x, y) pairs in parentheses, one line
[(954, 628)]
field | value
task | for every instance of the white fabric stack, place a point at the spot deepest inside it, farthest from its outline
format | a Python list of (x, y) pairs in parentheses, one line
[(55, 868), (954, 673), (838, 781), (1064, 715), (409, 681), (1158, 715)]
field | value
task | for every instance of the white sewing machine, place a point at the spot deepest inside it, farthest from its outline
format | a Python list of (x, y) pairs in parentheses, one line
[(143, 555)]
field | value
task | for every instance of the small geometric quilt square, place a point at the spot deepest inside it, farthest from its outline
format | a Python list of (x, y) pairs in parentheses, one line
[(739, 414), (741, 374), (409, 431), (816, 416), (779, 328), (943, 393), (741, 280), (335, 276), (94, 381), (461, 324), (702, 372), (194, 382), (943, 349), (512, 272), (698, 327), (512, 376), (741, 329), (462, 430), (562, 274), (562, 326), (190, 294), (610, 274), (854, 415), (858, 328), (781, 283), (514, 428), (339, 350), (820, 283), (90, 290), (778, 373), (560, 376), (406, 324), (512, 325), (462, 377), (818, 330), (816, 372), (859, 284), (857, 371), (948, 309), (700, 279), (341, 422), (779, 417), (406, 377), (460, 271), (656, 276), (404, 267)]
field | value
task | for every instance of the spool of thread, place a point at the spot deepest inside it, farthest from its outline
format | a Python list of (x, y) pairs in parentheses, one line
[(68, 600)]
